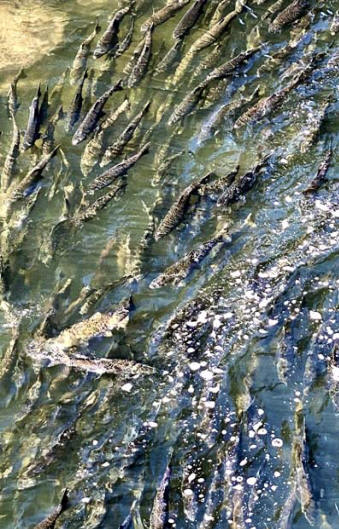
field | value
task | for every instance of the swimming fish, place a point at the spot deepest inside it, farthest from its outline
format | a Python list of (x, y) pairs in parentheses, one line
[(189, 19), (109, 39), (92, 117), (33, 125), (80, 61)]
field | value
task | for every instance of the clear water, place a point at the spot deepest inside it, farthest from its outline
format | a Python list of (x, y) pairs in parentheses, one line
[(243, 350)]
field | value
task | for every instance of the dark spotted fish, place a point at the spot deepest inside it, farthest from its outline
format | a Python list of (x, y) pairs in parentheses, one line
[(177, 272), (321, 174), (187, 104), (21, 189), (48, 136), (43, 110), (109, 39), (92, 117), (49, 522), (13, 104), (189, 19), (291, 13), (160, 504), (228, 67), (87, 213), (163, 14), (170, 57), (140, 67), (264, 106), (103, 366), (33, 125), (126, 42), (242, 184), (12, 155), (118, 146), (106, 178), (76, 105), (80, 61), (175, 214)]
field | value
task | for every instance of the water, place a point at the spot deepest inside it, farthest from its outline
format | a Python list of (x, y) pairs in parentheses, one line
[(243, 405)]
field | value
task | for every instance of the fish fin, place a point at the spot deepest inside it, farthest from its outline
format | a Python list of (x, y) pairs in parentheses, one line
[(64, 504)]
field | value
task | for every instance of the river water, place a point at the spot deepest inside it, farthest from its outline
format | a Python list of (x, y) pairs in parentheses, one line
[(237, 426)]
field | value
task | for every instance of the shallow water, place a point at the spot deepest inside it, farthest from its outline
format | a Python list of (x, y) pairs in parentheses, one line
[(243, 404)]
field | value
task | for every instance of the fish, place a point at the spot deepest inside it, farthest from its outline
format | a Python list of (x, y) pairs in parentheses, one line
[(111, 118), (96, 326), (92, 117), (49, 522), (20, 190), (290, 14), (242, 184), (87, 213), (135, 56), (189, 19), (228, 67), (160, 504), (170, 57), (321, 174), (266, 105), (175, 214), (117, 147), (219, 11), (12, 102), (109, 39), (8, 169), (177, 272), (33, 125), (107, 177), (48, 136), (273, 9), (57, 90), (309, 135), (187, 104), (79, 65), (220, 185), (93, 151), (76, 105), (43, 110), (103, 366), (207, 39), (125, 44), (163, 14), (140, 67)]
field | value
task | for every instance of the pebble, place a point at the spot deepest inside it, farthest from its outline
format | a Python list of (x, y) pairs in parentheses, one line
[(277, 443), (194, 366), (251, 481)]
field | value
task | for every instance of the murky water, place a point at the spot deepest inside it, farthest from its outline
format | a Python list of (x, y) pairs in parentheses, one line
[(237, 425)]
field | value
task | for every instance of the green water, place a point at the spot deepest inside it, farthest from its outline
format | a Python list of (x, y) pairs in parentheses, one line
[(246, 370)]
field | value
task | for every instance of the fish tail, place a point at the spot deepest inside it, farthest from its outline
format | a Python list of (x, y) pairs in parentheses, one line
[(64, 504)]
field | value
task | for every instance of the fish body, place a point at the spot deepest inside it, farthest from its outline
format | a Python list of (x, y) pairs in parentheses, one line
[(33, 125), (106, 178), (12, 155), (98, 325), (89, 212), (189, 19), (118, 146), (113, 116), (19, 191), (76, 105), (242, 184), (93, 150), (49, 522), (219, 11), (125, 44), (163, 14), (109, 39), (187, 105), (170, 57), (312, 131), (321, 174), (227, 68), (80, 61), (176, 273), (92, 117), (140, 67), (177, 211), (48, 136), (159, 510), (13, 104), (43, 110), (290, 14)]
